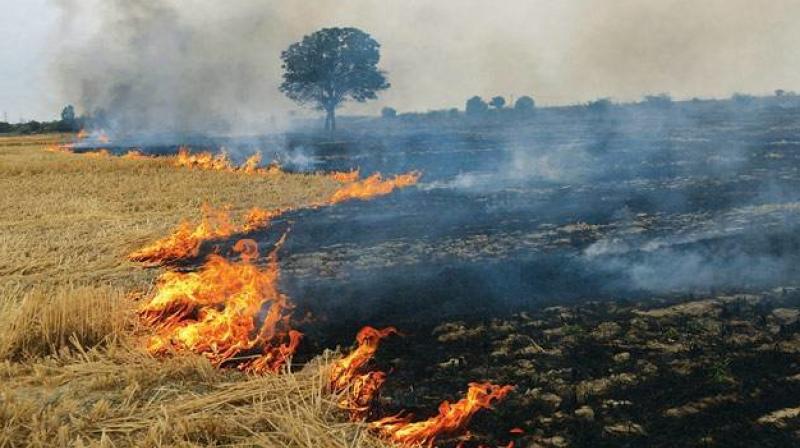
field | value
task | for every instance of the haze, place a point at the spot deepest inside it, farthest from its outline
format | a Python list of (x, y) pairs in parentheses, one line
[(221, 59)]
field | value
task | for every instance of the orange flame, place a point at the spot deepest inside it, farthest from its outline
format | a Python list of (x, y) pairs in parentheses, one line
[(82, 134), (214, 312), (358, 389), (66, 148), (185, 241), (98, 154), (347, 377), (374, 186), (252, 166), (451, 419), (345, 177), (203, 160), (135, 154)]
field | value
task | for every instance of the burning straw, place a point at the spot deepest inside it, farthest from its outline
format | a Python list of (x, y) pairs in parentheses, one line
[(215, 312), (185, 241), (357, 388)]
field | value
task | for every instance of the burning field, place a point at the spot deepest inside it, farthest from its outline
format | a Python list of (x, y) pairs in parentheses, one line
[(455, 290)]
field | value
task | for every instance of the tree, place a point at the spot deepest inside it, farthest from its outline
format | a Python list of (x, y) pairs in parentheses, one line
[(68, 114), (68, 122), (524, 104), (388, 112), (780, 92), (331, 66), (476, 106), (497, 102)]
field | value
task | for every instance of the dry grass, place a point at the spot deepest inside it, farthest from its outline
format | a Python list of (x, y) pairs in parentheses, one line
[(72, 372), (68, 218), (120, 397), (43, 323)]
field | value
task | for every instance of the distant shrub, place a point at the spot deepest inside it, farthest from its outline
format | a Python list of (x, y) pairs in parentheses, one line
[(6, 128), (388, 112), (498, 102), (524, 104), (780, 92), (453, 113), (476, 106)]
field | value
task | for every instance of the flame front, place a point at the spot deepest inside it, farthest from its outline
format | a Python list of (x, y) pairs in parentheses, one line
[(357, 387), (203, 160), (185, 241), (451, 419), (215, 312), (135, 154), (374, 186)]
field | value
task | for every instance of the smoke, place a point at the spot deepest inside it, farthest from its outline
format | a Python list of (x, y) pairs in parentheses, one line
[(207, 65), (166, 66)]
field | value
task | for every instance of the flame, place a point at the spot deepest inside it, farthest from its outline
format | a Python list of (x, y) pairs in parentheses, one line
[(451, 419), (251, 166), (259, 218), (358, 387), (100, 153), (82, 134), (185, 241), (203, 160), (65, 148), (347, 377), (345, 177), (135, 154), (215, 311), (373, 186)]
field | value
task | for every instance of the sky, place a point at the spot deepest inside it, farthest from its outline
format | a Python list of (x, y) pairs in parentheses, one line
[(172, 58)]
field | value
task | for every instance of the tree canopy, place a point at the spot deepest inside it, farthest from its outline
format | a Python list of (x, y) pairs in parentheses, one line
[(476, 106), (524, 104), (331, 66), (497, 102)]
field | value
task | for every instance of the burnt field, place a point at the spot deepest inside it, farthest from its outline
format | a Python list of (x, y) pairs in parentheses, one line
[(547, 254), (632, 272)]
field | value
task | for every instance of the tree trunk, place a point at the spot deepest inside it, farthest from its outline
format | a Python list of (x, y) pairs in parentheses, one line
[(332, 118), (327, 121)]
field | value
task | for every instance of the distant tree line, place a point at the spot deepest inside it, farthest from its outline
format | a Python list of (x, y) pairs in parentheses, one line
[(476, 109), (69, 122)]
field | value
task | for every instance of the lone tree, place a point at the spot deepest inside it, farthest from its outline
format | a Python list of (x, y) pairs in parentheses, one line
[(68, 120), (331, 66)]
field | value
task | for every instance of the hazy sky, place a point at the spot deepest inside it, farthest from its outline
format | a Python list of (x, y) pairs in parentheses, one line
[(437, 52)]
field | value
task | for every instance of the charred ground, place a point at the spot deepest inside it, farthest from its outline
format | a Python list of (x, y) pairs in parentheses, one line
[(606, 217), (632, 272)]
